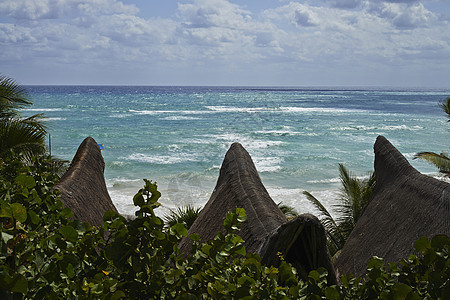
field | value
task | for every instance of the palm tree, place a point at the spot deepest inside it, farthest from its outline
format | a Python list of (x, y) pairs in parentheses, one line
[(442, 160), (18, 135), (353, 198)]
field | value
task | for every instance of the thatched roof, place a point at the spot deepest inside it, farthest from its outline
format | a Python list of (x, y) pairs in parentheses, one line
[(303, 243), (238, 185), (404, 206), (83, 186), (266, 230)]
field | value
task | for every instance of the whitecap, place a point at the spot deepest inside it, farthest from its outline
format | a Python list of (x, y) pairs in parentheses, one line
[(53, 119), (177, 112), (161, 159), (180, 118), (43, 109)]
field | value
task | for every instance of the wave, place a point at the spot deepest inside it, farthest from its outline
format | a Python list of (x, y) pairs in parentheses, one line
[(162, 159), (156, 112), (282, 109), (386, 127), (53, 119), (43, 109), (268, 164), (180, 118), (284, 131)]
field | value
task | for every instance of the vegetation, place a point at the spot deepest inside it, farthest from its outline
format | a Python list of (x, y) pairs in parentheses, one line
[(288, 211), (185, 215), (442, 160), (20, 136), (44, 253), (354, 196)]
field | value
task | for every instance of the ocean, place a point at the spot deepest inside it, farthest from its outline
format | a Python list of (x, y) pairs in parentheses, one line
[(178, 136)]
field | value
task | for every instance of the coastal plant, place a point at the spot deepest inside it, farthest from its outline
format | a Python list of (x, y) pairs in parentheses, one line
[(46, 254), (441, 160), (353, 198), (185, 215), (19, 136)]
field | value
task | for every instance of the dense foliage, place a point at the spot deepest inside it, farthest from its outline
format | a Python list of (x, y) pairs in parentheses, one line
[(46, 254)]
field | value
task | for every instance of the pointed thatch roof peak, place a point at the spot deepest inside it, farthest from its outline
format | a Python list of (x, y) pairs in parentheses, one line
[(238, 185), (404, 206), (83, 186), (266, 231)]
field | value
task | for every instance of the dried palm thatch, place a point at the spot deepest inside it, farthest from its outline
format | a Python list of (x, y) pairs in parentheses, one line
[(238, 185), (302, 241), (404, 206), (83, 186)]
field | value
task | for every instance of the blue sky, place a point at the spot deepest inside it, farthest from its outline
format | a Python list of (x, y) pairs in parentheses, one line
[(221, 42)]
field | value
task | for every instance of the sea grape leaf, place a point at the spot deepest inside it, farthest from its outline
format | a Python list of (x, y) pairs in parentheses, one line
[(69, 233), (422, 244), (14, 211), (138, 199), (26, 181), (179, 229)]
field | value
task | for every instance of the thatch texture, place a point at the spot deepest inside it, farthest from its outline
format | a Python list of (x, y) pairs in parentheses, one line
[(266, 231), (404, 206), (83, 186), (303, 243), (238, 185)]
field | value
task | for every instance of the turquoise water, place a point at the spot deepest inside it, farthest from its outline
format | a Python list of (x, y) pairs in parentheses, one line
[(178, 136)]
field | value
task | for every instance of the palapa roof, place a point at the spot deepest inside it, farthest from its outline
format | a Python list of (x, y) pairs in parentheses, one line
[(83, 186), (238, 186), (404, 206), (266, 231), (303, 243)]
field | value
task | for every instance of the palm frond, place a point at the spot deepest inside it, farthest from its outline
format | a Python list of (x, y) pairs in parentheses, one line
[(12, 97), (287, 210), (446, 107), (441, 161), (331, 228), (25, 137), (185, 215)]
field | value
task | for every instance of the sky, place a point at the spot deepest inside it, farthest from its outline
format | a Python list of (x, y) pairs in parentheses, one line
[(401, 43)]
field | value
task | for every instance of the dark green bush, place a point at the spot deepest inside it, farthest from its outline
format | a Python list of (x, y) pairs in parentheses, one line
[(47, 254)]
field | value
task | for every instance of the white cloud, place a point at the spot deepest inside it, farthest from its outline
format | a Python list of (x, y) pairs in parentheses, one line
[(404, 16), (56, 9), (216, 36)]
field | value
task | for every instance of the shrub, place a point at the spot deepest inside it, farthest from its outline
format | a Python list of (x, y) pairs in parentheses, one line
[(46, 254)]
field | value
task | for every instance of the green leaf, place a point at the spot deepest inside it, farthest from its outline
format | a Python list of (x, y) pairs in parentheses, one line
[(35, 219), (195, 237), (440, 241), (179, 229), (14, 211), (332, 293), (26, 181), (400, 290), (241, 215), (375, 262), (70, 271), (422, 244), (118, 295), (6, 237), (16, 284), (138, 199), (69, 233)]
